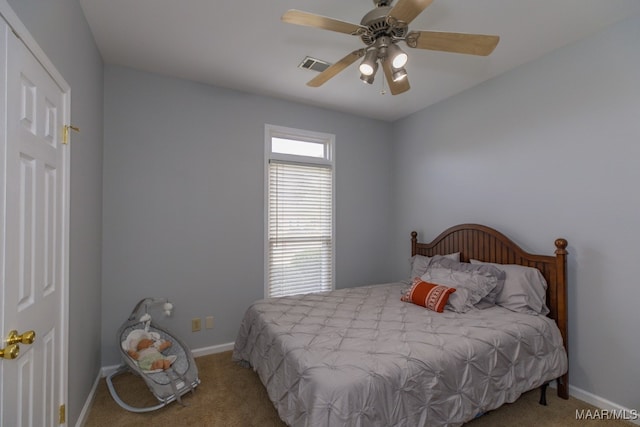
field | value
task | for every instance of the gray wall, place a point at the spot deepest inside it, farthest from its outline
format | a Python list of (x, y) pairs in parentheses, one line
[(184, 199), (548, 150), (59, 27)]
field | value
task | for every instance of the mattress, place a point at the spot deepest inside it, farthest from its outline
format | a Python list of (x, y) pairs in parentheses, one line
[(362, 357)]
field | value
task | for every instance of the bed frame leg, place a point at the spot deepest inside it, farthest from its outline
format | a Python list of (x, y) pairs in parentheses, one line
[(543, 394)]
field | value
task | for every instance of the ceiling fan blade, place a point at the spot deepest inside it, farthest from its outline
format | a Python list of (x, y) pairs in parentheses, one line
[(334, 69), (407, 10), (395, 87), (472, 44), (307, 19)]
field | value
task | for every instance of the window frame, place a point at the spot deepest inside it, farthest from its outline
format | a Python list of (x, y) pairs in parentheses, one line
[(328, 161)]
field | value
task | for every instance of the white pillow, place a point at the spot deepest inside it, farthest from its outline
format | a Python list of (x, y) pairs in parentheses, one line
[(524, 289), (419, 263)]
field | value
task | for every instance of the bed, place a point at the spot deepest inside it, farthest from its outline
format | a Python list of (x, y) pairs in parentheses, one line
[(362, 357)]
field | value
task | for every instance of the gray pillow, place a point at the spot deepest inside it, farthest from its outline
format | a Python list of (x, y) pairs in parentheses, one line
[(476, 285), (419, 263), (524, 289)]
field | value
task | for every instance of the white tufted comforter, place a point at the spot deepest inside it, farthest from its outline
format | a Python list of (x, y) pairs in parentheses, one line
[(361, 357)]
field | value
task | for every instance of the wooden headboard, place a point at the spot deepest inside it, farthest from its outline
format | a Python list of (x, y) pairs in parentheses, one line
[(483, 243)]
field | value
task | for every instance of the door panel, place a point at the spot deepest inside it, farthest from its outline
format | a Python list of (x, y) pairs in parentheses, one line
[(32, 386)]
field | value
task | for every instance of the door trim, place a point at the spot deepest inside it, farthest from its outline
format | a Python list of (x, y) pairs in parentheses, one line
[(20, 30), (23, 34)]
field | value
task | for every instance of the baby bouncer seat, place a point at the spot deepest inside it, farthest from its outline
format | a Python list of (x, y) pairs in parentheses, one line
[(167, 385)]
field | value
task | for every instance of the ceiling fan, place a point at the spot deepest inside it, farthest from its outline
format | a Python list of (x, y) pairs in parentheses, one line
[(381, 30)]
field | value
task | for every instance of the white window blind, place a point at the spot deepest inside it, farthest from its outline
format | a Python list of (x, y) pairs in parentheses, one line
[(300, 228)]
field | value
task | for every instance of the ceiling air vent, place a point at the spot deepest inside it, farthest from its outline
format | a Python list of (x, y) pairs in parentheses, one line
[(314, 64)]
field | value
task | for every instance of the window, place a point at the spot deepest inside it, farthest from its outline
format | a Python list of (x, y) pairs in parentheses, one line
[(299, 212)]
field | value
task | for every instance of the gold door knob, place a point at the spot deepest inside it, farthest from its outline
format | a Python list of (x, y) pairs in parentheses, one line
[(27, 338), (10, 352)]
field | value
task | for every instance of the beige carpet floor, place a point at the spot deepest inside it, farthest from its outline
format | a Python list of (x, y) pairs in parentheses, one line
[(233, 396)]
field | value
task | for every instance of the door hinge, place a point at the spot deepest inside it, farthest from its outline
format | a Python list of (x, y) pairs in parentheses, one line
[(62, 414), (65, 133)]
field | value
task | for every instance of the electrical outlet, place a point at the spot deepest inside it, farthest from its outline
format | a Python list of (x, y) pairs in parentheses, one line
[(209, 322), (195, 324)]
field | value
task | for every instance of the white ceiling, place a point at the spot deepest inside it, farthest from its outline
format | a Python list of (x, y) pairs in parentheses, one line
[(243, 44)]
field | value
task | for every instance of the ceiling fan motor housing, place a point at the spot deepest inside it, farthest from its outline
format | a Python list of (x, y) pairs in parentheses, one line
[(379, 24)]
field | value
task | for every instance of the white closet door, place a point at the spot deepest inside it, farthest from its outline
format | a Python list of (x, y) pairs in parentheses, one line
[(34, 238)]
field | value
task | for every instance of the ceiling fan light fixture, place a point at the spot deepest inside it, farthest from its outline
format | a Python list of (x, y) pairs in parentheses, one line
[(366, 69), (368, 79), (398, 56), (369, 65), (399, 74)]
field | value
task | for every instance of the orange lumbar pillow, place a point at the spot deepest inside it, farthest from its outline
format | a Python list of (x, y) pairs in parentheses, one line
[(429, 295)]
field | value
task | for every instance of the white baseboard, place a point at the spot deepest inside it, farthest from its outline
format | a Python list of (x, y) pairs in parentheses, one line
[(105, 371), (82, 419), (205, 351), (602, 403), (597, 401)]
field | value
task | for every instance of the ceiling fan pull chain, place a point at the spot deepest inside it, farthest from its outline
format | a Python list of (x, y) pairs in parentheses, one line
[(383, 90)]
